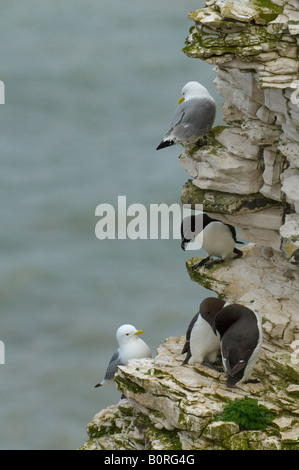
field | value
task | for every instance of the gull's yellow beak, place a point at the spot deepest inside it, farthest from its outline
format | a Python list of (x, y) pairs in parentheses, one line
[(139, 332), (181, 100)]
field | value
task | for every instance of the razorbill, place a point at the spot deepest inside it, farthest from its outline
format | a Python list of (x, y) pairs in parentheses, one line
[(240, 340), (202, 345), (216, 238), (193, 118), (130, 347)]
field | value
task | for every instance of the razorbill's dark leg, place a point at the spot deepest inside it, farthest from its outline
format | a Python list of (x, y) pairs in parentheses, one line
[(216, 261), (201, 263)]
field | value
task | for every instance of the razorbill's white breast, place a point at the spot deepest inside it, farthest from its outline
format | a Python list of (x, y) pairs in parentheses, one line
[(216, 238)]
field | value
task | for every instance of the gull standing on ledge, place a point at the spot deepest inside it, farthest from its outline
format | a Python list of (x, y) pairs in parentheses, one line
[(130, 347), (193, 118)]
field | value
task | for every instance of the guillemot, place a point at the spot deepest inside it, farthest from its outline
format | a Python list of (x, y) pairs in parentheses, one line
[(201, 344), (240, 340)]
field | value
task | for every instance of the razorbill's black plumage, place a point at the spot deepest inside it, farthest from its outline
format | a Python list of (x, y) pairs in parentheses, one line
[(130, 347), (216, 238), (202, 345), (240, 340)]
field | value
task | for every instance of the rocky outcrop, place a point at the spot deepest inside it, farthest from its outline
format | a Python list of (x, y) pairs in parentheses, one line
[(258, 153), (170, 407), (246, 175), (173, 406)]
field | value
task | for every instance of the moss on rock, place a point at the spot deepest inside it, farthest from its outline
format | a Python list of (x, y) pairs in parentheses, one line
[(247, 414), (225, 203)]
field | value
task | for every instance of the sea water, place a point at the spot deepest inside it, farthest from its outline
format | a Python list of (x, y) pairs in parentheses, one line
[(90, 87)]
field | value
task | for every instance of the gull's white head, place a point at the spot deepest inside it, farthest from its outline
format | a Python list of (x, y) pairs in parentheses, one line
[(193, 90), (127, 333)]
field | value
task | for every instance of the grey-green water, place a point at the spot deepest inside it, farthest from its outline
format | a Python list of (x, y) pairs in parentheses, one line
[(90, 89)]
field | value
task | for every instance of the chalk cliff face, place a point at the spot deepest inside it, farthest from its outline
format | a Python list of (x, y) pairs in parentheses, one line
[(258, 154), (247, 175)]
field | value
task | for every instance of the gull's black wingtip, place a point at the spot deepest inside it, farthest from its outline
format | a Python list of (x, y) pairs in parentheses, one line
[(165, 143)]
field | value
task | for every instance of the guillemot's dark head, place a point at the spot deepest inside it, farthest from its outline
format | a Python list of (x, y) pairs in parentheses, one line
[(241, 338), (230, 315), (209, 308)]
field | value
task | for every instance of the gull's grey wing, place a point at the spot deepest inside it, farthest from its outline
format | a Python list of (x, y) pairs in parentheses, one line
[(112, 366), (111, 369), (193, 117)]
